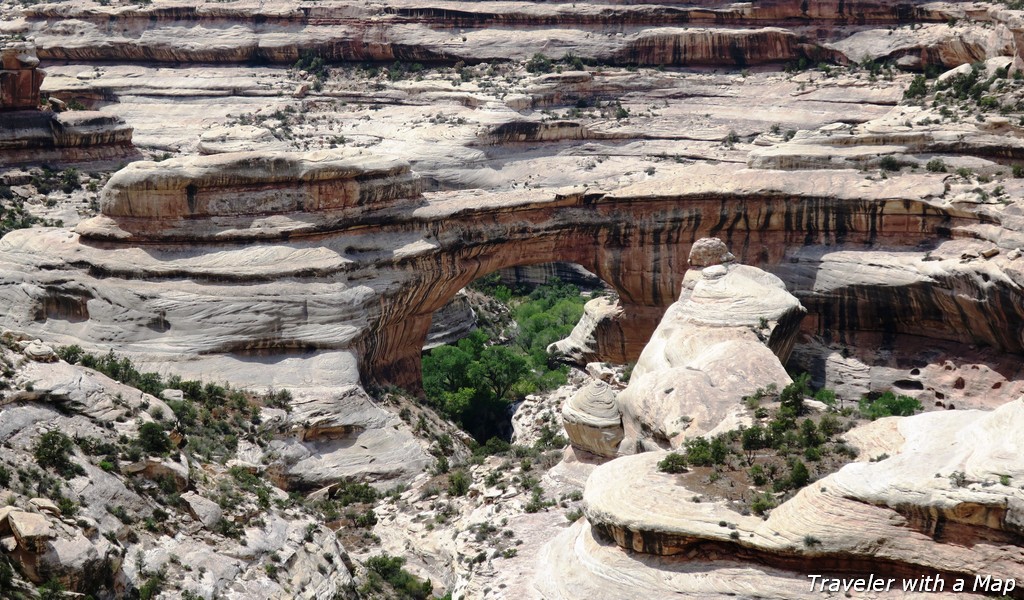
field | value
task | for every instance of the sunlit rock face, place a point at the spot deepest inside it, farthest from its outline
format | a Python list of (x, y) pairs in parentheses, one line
[(726, 336)]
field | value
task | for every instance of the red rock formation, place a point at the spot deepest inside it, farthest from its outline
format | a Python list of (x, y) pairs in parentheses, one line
[(19, 77)]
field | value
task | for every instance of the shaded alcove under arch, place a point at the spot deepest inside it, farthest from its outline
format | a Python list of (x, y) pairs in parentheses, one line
[(542, 306)]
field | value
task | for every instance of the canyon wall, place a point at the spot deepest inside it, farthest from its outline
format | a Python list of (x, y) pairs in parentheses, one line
[(691, 34)]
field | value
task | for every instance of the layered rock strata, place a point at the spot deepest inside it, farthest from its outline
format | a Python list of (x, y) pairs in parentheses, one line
[(943, 502), (592, 420), (247, 195), (705, 33), (19, 77), (31, 135)]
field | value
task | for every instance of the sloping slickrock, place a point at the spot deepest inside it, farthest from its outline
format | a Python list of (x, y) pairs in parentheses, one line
[(90, 393), (946, 501), (345, 435)]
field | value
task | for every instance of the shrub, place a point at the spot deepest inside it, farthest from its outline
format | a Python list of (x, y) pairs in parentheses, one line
[(762, 504), (673, 463), (458, 483), (890, 163), (917, 89), (389, 569), (698, 452), (889, 404), (936, 165), (153, 439), (757, 475), (70, 354), (539, 64), (53, 451)]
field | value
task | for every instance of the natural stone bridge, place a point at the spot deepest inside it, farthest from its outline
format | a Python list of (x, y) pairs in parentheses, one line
[(276, 255)]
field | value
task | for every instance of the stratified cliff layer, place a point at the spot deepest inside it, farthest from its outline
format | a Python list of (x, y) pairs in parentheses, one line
[(943, 501), (690, 34)]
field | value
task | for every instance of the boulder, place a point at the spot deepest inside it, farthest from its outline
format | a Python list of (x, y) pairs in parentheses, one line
[(592, 420), (31, 530), (203, 510), (159, 468), (45, 505), (724, 338), (707, 252), (40, 352)]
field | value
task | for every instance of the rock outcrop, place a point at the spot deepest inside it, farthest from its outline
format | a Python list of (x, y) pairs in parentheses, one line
[(377, 259), (943, 502), (19, 77), (725, 337), (248, 195), (703, 33), (597, 337), (29, 134), (592, 420)]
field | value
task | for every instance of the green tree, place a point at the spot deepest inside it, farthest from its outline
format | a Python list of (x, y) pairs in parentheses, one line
[(698, 452), (752, 440), (792, 396), (499, 368), (446, 369), (809, 436), (798, 475), (53, 450), (153, 439), (719, 450)]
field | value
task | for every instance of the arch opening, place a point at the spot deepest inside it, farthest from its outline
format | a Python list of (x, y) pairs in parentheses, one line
[(478, 379)]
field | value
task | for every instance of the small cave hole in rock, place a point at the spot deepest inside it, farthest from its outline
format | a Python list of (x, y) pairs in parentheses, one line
[(486, 350), (908, 384)]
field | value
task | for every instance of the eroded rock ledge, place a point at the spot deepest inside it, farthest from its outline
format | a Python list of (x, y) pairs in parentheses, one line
[(905, 515), (29, 134)]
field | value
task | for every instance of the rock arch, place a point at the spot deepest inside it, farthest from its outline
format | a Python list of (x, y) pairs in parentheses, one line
[(345, 254)]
